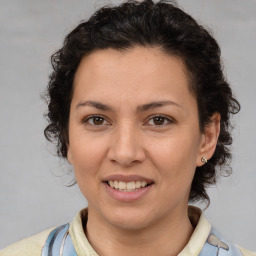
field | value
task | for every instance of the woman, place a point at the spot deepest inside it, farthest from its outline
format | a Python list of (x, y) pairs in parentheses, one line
[(139, 106)]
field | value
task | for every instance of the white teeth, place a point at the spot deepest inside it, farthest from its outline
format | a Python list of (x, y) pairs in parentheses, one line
[(122, 185), (130, 185), (137, 184), (127, 186), (116, 184)]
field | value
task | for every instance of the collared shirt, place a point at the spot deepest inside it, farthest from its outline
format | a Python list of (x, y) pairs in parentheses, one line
[(32, 246)]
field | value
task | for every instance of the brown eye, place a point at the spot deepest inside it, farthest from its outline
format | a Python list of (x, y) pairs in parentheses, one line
[(98, 120), (158, 120), (95, 121)]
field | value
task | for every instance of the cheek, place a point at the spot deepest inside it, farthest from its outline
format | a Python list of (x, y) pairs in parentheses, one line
[(176, 158), (87, 158), (87, 155), (176, 168)]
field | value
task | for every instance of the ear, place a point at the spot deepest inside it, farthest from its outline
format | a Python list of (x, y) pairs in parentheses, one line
[(209, 139)]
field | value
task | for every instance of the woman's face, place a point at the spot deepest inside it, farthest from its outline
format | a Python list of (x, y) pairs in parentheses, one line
[(134, 138)]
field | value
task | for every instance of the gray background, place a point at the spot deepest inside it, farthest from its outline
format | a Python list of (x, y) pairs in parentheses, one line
[(32, 196)]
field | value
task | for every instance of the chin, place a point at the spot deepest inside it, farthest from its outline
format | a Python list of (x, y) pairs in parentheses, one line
[(130, 224), (129, 219)]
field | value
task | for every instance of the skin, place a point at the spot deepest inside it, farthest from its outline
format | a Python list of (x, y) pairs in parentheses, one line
[(127, 142)]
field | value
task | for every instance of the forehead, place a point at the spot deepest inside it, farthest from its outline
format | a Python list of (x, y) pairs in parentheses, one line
[(151, 57), (136, 74), (138, 63)]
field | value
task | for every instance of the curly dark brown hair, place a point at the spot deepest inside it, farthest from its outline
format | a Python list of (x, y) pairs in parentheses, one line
[(167, 27)]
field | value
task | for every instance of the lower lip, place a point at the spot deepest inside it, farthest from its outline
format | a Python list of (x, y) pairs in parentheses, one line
[(127, 196)]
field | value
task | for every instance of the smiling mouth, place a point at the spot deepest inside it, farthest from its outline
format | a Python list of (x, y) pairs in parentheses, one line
[(130, 186)]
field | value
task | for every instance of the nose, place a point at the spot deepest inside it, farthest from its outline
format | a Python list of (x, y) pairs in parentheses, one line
[(126, 146)]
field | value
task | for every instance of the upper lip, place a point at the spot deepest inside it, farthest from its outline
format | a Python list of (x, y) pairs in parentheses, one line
[(127, 178)]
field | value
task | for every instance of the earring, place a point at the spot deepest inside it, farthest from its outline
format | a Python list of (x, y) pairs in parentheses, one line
[(204, 160)]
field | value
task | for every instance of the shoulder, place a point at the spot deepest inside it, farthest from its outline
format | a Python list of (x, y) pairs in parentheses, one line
[(206, 240), (31, 246), (246, 252)]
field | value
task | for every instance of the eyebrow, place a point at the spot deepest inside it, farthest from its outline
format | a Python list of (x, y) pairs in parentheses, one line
[(139, 109), (94, 104), (157, 104)]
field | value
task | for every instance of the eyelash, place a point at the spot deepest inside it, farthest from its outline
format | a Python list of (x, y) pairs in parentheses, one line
[(166, 119), (86, 120)]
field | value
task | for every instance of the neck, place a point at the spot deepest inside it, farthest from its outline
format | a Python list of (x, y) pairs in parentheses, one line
[(166, 238)]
